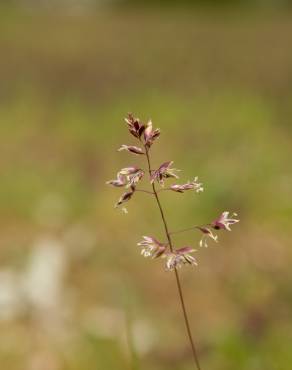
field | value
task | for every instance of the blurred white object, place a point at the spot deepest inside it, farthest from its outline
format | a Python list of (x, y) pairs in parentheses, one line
[(44, 279), (143, 336), (11, 302)]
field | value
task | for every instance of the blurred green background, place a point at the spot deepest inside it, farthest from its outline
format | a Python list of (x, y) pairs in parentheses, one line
[(216, 77)]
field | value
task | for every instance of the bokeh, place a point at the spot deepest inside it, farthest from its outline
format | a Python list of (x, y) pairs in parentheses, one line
[(216, 77)]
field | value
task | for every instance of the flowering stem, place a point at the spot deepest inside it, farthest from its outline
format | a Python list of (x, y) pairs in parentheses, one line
[(194, 352)]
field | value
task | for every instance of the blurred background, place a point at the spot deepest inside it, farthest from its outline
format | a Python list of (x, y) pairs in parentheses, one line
[(216, 77)]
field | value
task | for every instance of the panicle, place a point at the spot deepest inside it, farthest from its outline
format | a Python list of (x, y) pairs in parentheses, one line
[(129, 178)]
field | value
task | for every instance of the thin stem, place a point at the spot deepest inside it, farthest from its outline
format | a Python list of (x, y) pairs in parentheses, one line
[(183, 230), (181, 297), (145, 191), (164, 189), (196, 359), (188, 229)]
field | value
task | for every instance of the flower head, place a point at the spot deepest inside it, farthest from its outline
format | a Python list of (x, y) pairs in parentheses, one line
[(131, 148), (135, 127), (224, 222), (207, 233), (152, 247), (179, 258), (150, 135), (190, 185), (164, 172)]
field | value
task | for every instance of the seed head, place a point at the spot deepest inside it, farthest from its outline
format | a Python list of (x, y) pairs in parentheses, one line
[(190, 185), (179, 258), (151, 247), (131, 148), (135, 127), (223, 222), (150, 135), (125, 197), (164, 172), (207, 233)]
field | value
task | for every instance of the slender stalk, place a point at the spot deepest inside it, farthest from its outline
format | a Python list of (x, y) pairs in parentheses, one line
[(145, 191), (164, 189), (188, 229), (183, 230), (181, 297)]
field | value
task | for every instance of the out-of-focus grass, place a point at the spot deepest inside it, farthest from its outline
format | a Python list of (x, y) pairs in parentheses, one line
[(220, 90)]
